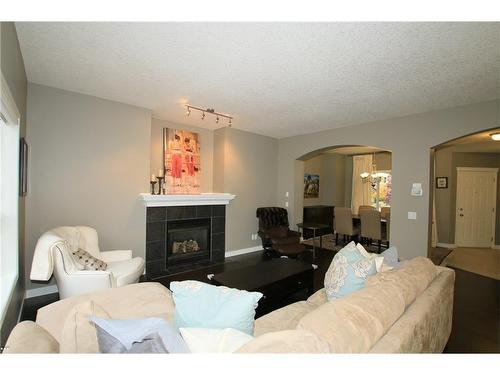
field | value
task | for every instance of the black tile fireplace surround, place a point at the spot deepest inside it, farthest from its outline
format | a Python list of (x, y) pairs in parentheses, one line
[(162, 220)]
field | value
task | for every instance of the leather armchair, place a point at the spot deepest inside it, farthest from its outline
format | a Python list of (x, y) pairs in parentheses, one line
[(53, 256), (275, 232)]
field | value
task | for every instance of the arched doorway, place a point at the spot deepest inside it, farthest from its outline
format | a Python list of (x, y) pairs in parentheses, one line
[(342, 176)]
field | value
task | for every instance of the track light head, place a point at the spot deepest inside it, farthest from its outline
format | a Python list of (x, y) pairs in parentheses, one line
[(203, 115), (188, 112), (230, 123), (217, 120)]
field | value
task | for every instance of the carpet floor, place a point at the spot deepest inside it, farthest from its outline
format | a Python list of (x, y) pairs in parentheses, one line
[(481, 261)]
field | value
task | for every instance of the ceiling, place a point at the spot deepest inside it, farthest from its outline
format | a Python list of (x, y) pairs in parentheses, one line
[(277, 79)]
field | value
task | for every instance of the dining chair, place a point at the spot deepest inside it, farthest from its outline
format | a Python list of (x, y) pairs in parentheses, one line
[(388, 227), (343, 224), (371, 227), (365, 207), (384, 211)]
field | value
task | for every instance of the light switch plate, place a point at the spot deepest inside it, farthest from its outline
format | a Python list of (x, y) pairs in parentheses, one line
[(287, 194), (416, 189), (412, 216), (286, 204)]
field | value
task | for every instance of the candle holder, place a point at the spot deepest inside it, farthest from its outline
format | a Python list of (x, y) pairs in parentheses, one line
[(153, 183), (160, 184)]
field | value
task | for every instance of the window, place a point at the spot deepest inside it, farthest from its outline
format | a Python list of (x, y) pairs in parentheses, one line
[(381, 189), (9, 197)]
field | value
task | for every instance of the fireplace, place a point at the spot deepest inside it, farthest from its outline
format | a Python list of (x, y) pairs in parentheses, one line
[(184, 238), (188, 241)]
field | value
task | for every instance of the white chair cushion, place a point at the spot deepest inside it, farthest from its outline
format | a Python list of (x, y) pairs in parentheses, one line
[(127, 271)]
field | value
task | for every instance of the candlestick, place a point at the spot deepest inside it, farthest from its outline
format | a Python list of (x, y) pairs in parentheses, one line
[(153, 178), (160, 173), (160, 184), (153, 183)]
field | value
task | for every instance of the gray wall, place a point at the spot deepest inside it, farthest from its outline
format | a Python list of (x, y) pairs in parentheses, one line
[(206, 150), (409, 139), (247, 167), (89, 163), (446, 162), (12, 67), (331, 170)]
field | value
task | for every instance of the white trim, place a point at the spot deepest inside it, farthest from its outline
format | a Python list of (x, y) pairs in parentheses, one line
[(474, 169), (248, 250), (168, 200), (446, 245), (37, 292), (496, 247)]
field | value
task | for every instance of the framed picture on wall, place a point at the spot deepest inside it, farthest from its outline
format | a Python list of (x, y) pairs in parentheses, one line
[(441, 182), (23, 168), (311, 185), (181, 161)]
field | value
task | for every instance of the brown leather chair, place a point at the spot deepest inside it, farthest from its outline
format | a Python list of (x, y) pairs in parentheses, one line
[(275, 233)]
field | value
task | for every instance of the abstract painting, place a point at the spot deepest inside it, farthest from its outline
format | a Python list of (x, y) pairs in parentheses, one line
[(181, 161)]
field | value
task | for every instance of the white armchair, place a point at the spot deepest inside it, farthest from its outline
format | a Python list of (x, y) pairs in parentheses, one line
[(53, 256)]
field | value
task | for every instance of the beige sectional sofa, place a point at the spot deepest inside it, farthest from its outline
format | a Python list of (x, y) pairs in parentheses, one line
[(405, 310)]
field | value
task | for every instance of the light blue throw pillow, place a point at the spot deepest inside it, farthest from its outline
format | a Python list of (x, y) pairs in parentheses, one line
[(203, 305), (348, 272), (391, 257)]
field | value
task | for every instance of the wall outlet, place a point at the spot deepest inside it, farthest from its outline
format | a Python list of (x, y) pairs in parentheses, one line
[(412, 216), (286, 204), (254, 237)]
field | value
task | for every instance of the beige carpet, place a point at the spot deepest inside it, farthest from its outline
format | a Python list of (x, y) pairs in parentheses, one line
[(482, 261)]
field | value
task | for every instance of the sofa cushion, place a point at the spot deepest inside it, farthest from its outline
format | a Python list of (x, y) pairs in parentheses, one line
[(354, 323), (79, 333), (413, 277), (289, 341), (203, 305), (348, 272), (28, 337), (282, 319), (127, 302), (318, 298)]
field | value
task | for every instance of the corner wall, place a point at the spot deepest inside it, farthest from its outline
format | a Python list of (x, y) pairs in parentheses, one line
[(409, 139), (89, 161), (246, 165)]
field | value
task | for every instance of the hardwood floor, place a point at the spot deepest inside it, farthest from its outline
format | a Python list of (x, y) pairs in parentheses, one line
[(476, 301)]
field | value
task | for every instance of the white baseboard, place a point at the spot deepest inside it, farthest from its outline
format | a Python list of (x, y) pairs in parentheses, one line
[(446, 245), (41, 291), (233, 253), (496, 247)]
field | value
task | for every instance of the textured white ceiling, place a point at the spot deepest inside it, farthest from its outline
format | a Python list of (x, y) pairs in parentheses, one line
[(277, 79)]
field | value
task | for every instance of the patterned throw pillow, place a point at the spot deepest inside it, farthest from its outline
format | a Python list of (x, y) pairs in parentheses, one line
[(348, 272), (88, 261)]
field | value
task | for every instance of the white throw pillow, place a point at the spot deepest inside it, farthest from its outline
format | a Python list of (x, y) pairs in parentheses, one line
[(211, 340), (379, 260)]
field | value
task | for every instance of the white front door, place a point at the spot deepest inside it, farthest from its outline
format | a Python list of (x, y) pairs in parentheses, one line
[(475, 207)]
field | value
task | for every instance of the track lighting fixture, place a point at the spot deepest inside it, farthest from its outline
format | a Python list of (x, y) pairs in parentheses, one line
[(203, 111)]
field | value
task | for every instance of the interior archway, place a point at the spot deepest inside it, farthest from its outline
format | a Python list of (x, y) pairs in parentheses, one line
[(331, 173), (474, 152)]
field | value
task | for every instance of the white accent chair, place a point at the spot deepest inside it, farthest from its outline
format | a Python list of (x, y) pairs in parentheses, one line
[(53, 256)]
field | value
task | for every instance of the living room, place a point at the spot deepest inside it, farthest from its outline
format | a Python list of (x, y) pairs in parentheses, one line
[(96, 102)]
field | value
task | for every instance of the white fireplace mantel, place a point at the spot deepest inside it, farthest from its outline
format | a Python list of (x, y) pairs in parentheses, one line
[(168, 200)]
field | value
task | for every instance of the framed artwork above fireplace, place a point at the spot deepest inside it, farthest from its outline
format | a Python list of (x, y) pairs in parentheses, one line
[(181, 161)]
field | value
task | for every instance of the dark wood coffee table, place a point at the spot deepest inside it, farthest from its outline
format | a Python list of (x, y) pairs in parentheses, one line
[(277, 279)]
